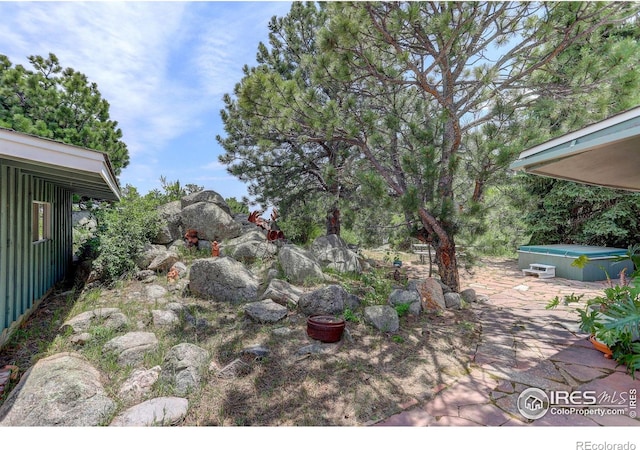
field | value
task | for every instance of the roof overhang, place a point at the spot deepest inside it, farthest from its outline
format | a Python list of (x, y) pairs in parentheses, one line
[(606, 153), (83, 171)]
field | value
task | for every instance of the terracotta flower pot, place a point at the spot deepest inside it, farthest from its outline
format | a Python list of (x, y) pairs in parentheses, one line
[(601, 347), (325, 328)]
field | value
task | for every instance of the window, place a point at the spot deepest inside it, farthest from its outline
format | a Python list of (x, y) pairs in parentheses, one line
[(41, 221)]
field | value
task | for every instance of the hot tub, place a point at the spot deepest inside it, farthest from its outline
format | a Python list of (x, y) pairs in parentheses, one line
[(601, 260)]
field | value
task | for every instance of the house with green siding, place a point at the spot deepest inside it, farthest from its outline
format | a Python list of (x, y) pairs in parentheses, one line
[(38, 178)]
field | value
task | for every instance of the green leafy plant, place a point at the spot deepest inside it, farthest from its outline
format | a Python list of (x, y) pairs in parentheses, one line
[(614, 318), (571, 298), (122, 232), (350, 316), (380, 287), (553, 303), (402, 309)]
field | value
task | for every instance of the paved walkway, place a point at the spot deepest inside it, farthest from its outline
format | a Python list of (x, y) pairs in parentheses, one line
[(523, 346)]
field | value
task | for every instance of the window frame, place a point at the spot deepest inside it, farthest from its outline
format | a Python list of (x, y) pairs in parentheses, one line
[(40, 221)]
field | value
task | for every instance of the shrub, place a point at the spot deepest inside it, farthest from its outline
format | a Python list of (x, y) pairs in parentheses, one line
[(614, 318), (402, 309), (122, 232)]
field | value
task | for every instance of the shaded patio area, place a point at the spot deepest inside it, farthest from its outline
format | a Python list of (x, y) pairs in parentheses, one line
[(523, 346)]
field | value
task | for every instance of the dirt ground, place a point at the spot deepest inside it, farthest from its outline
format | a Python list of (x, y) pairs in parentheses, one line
[(367, 376)]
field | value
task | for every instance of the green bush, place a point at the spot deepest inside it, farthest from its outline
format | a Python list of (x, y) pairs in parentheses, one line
[(614, 318), (122, 232), (402, 309)]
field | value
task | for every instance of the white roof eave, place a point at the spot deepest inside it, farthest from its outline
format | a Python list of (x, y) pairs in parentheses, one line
[(47, 153), (578, 134)]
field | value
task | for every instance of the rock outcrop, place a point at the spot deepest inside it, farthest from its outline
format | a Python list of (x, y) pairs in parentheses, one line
[(130, 348), (332, 252), (161, 411), (60, 390), (332, 300), (183, 365), (299, 265), (223, 279), (211, 221), (265, 311), (382, 317), (170, 223)]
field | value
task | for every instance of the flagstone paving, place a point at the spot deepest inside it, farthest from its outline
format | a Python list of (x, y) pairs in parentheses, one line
[(523, 345)]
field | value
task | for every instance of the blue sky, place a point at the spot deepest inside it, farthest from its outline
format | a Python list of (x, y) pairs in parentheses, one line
[(162, 66)]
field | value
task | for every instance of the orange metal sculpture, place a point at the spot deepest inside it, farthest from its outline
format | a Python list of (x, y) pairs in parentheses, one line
[(173, 275), (273, 232), (191, 236)]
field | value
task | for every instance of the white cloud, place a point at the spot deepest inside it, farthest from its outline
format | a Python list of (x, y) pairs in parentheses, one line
[(214, 165), (162, 66), (229, 39), (122, 46)]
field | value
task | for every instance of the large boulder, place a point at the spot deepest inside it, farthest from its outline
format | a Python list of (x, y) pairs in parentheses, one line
[(177, 246), (332, 252), (255, 234), (82, 219), (170, 223), (243, 220), (249, 247), (382, 317), (298, 264), (60, 390), (161, 411), (163, 261), (453, 300), (406, 297), (282, 293), (139, 384), (222, 279), (130, 348), (165, 318), (148, 254), (332, 300), (265, 311), (109, 318), (431, 293), (211, 221), (205, 196), (183, 365), (469, 295)]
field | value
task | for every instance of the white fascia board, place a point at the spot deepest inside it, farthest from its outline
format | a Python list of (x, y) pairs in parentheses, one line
[(108, 178), (611, 121), (534, 160), (33, 149)]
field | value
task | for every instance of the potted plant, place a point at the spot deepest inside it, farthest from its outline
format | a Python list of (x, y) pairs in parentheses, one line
[(613, 319)]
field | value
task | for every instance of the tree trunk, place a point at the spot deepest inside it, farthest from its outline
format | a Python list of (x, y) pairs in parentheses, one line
[(448, 265), (445, 250)]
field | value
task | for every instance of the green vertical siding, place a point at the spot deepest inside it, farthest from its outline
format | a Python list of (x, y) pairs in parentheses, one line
[(29, 270), (4, 236)]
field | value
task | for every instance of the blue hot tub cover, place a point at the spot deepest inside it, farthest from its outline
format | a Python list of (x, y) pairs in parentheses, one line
[(574, 251)]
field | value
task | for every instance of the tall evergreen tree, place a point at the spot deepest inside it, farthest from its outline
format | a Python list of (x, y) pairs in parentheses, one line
[(568, 212), (59, 104), (473, 63), (282, 165), (409, 91)]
